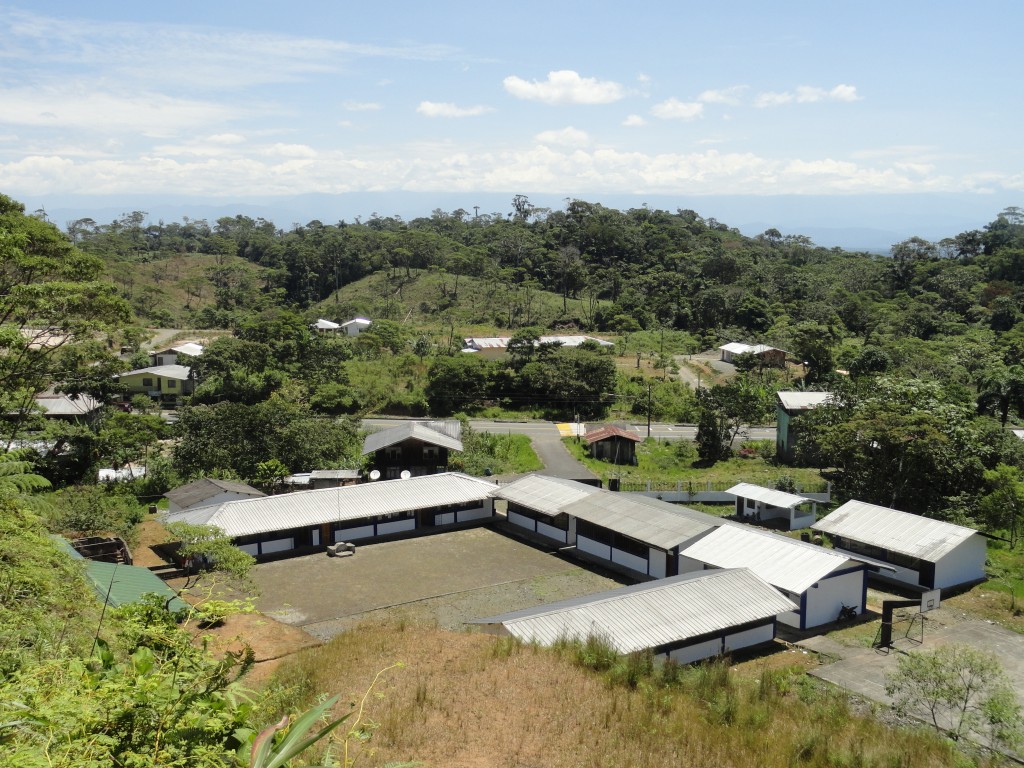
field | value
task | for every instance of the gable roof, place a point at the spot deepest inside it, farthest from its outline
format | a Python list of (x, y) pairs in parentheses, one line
[(180, 372), (769, 496), (642, 518), (54, 405), (802, 401), (652, 614), (198, 491), (611, 430), (781, 561), (896, 531), (410, 430), (357, 321), (248, 517), (325, 325), (187, 348), (544, 494)]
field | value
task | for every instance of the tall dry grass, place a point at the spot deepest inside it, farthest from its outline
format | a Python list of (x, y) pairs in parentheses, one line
[(476, 701)]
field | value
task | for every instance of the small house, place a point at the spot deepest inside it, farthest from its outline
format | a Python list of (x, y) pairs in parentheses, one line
[(613, 443), (789, 407), (419, 448), (62, 407), (496, 347), (164, 383), (170, 355), (208, 491), (684, 618), (821, 582), (333, 478), (759, 504), (920, 551), (768, 356), (355, 326), (325, 326)]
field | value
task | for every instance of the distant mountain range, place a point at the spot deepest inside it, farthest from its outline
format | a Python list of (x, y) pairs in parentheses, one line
[(853, 222)]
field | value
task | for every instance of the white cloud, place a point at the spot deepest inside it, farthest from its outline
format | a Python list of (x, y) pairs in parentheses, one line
[(634, 121), (361, 106), (299, 151), (674, 109), (227, 138), (807, 94), (570, 137), (565, 87), (730, 96), (444, 109)]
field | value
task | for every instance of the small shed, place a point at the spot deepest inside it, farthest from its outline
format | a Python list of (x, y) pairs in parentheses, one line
[(613, 443), (820, 581), (789, 407), (762, 504), (684, 618), (323, 326), (636, 533), (169, 356), (766, 355), (535, 503), (208, 491), (932, 554)]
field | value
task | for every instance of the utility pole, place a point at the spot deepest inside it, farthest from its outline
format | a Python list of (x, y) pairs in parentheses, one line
[(649, 385)]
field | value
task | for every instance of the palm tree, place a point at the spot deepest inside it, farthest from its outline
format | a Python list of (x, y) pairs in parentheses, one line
[(1000, 390)]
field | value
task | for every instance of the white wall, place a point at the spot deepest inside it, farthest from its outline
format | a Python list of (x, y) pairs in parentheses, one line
[(551, 532), (632, 562), (276, 545), (657, 563), (350, 534), (465, 515), (824, 602), (396, 526), (583, 544), (691, 653), (964, 564), (749, 637), (521, 520)]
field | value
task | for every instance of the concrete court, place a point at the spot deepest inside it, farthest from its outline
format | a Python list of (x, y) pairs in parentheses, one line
[(863, 671), (316, 589)]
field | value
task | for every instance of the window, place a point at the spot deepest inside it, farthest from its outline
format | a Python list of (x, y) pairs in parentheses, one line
[(171, 384), (430, 453), (147, 382), (393, 453)]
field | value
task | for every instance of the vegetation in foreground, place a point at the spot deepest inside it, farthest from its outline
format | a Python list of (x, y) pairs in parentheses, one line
[(469, 699)]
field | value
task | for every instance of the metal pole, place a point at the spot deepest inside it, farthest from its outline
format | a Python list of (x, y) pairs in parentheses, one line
[(649, 409)]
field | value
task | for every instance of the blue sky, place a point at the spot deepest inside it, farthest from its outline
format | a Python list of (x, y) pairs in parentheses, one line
[(229, 100)]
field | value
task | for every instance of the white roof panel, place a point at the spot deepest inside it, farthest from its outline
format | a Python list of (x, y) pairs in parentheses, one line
[(769, 496), (896, 531), (802, 401), (644, 519), (547, 495), (328, 505), (652, 614), (782, 562), (180, 372)]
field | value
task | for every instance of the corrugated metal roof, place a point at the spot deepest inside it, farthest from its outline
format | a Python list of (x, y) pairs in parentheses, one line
[(411, 430), (128, 583), (782, 562), (610, 430), (248, 517), (206, 488), (802, 401), (326, 325), (648, 520), (896, 531), (190, 348), (652, 614), (333, 474), (357, 321), (180, 372), (767, 495), (501, 342), (65, 405), (544, 494), (739, 348)]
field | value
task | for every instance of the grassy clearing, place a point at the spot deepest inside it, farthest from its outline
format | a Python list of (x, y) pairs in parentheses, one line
[(669, 461), (469, 700)]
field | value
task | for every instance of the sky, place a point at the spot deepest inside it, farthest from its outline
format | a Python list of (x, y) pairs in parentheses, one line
[(216, 102)]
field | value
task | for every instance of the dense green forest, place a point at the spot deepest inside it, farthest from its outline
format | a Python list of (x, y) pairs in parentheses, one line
[(921, 347)]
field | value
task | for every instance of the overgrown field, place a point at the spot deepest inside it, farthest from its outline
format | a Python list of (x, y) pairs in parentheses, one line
[(475, 700)]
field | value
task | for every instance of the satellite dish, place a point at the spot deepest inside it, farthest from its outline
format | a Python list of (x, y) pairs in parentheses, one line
[(406, 474), (375, 474)]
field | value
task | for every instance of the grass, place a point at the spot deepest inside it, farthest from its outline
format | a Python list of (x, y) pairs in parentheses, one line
[(671, 461), (469, 699)]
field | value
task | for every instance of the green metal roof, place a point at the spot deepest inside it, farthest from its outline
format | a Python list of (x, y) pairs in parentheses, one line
[(128, 583)]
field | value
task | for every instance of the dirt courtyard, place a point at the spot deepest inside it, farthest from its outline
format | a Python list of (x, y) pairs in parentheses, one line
[(444, 579)]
